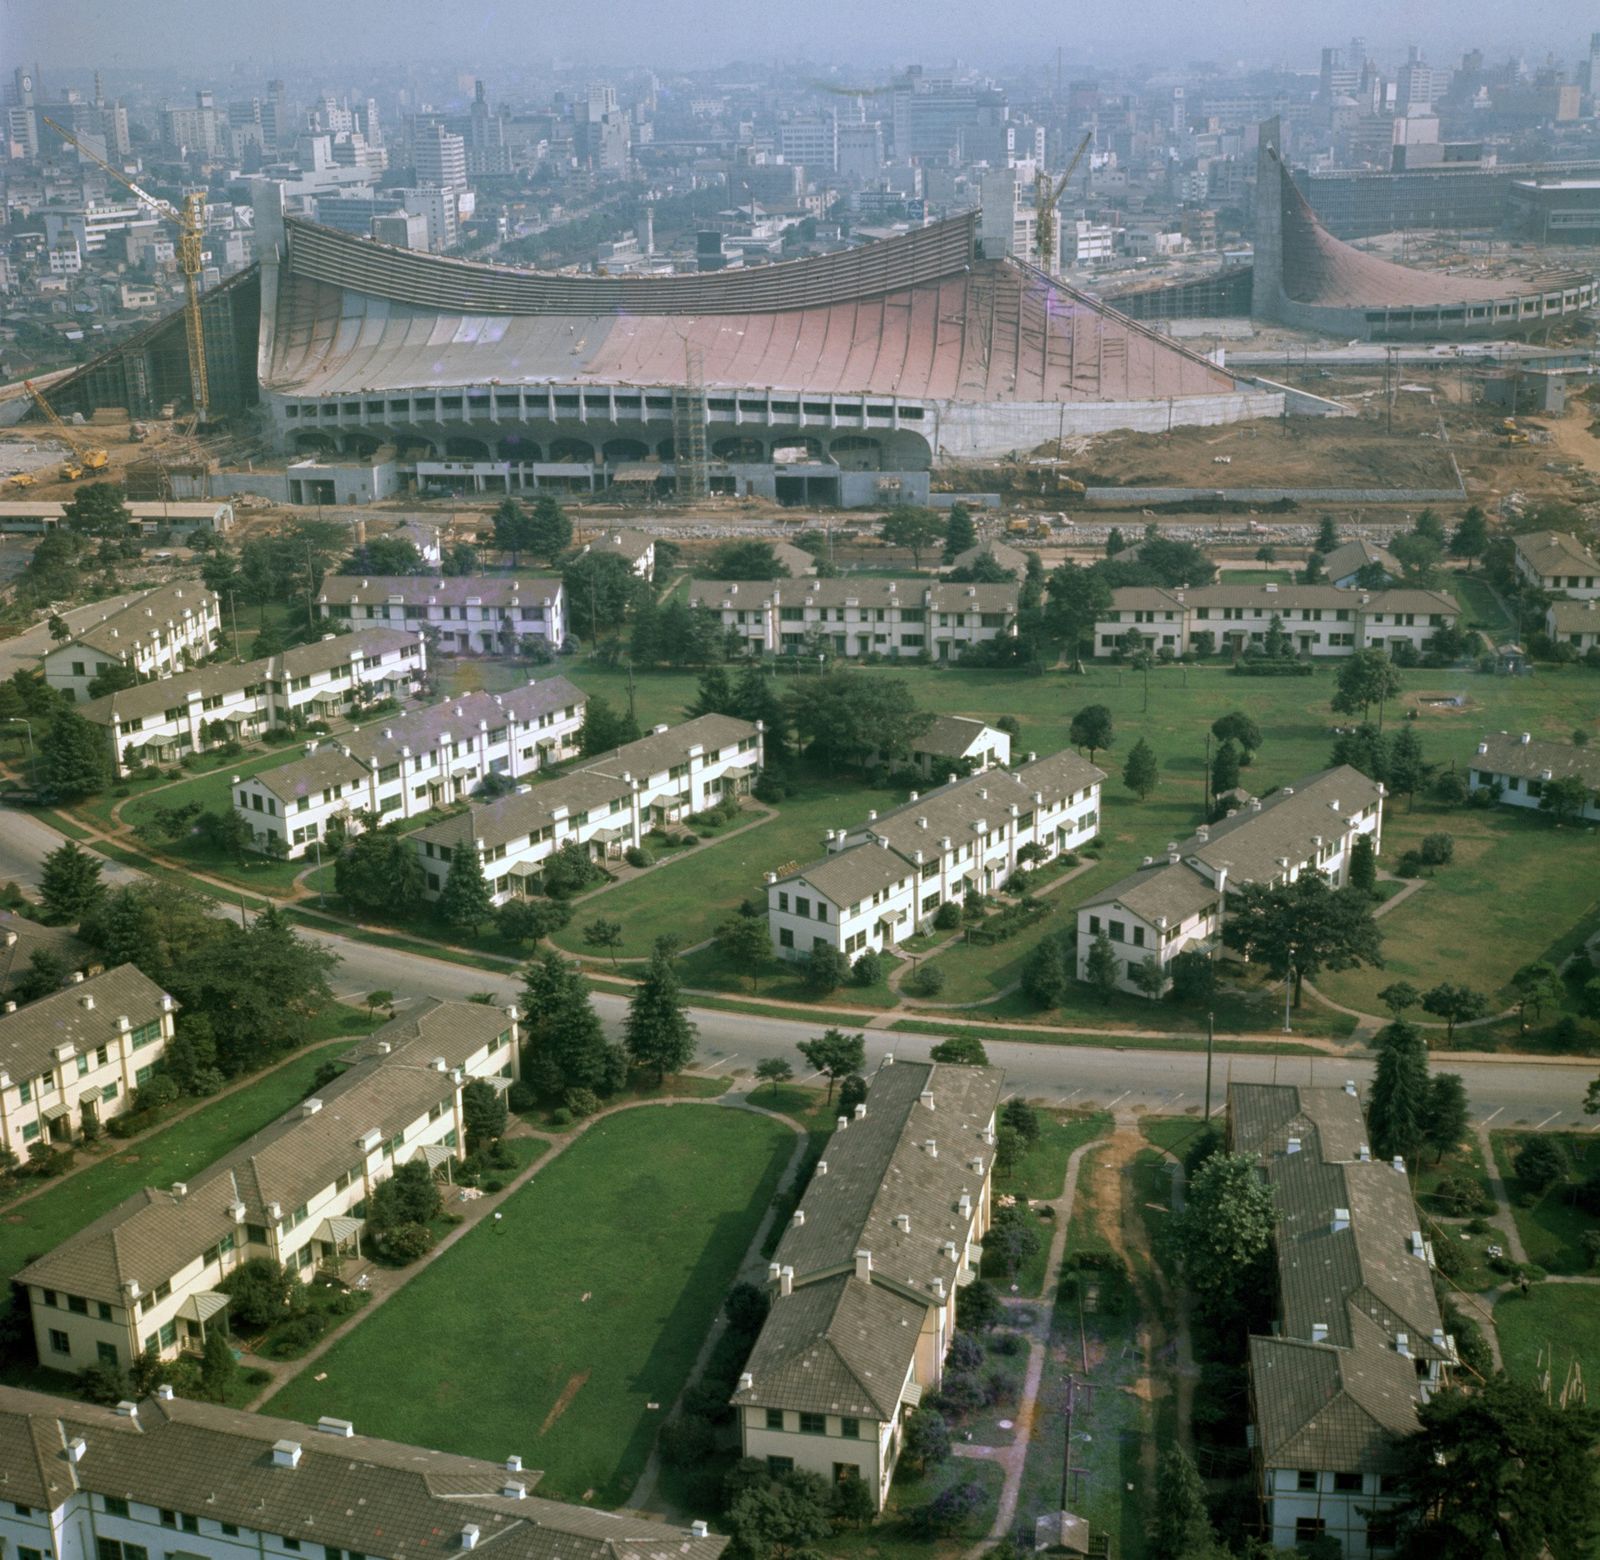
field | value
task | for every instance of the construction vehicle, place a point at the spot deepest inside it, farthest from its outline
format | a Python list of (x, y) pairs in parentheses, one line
[(23, 479), (1046, 196), (1511, 433), (83, 458), (190, 224)]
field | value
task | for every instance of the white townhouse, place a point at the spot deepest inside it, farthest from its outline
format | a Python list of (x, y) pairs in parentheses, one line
[(605, 807), (635, 549), (1517, 769), (1176, 902), (1344, 564), (1012, 559), (169, 1477), (958, 739), (1575, 623), (411, 763), (1558, 562), (154, 635), (857, 617), (866, 1281), (145, 1275), (882, 880), (71, 1060), (1359, 1345), (161, 722), (468, 614)]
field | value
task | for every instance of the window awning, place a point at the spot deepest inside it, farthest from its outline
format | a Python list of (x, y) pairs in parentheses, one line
[(203, 1306), (526, 869), (55, 1112), (434, 1154), (337, 1228), (911, 1393), (609, 833)]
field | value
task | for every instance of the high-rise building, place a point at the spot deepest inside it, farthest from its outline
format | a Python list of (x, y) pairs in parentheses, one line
[(487, 152), (812, 140), (441, 158), (1415, 84), (860, 150), (276, 129)]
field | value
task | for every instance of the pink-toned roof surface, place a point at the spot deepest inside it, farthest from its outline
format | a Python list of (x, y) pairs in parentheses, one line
[(1321, 269), (916, 317)]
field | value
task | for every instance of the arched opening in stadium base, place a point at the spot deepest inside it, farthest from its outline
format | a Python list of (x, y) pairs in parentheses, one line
[(617, 450), (571, 452), (857, 452), (310, 441), (741, 450), (515, 448), (458, 447)]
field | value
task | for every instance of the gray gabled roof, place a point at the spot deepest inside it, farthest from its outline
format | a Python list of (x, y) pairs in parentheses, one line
[(632, 545), (434, 1028), (21, 938), (1352, 557), (854, 590), (1170, 890), (847, 876), (1500, 753), (381, 1498), (668, 745), (1009, 558), (1550, 553), (524, 812), (124, 627), (1574, 617), (83, 1015), (949, 736), (489, 590)]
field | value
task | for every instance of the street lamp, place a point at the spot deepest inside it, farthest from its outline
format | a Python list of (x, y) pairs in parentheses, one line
[(1288, 991), (33, 768), (322, 894)]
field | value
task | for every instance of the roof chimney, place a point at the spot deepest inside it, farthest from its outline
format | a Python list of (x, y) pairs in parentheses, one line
[(861, 1110), (927, 1098), (76, 1448), (469, 1536), (514, 1489), (285, 1454), (864, 1264), (1350, 1087), (1319, 1332), (1341, 1219), (786, 1281), (822, 1167), (903, 1223), (1294, 1146), (1399, 1164), (799, 1217), (965, 1205), (127, 1410), (746, 1381), (164, 1392), (328, 1425), (310, 1107), (699, 1530)]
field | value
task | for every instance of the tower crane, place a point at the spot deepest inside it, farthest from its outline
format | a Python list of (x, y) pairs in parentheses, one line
[(83, 458), (190, 224), (1046, 196)]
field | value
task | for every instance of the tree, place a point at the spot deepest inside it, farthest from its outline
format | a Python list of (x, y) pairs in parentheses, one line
[(260, 1292), (1366, 678), (852, 1091), (1564, 798), (775, 1070), (483, 1113), (1277, 646), (1148, 976), (381, 998), (1455, 1004), (835, 1054), (97, 509), (743, 943), (566, 1046), (74, 761), (1418, 556), (604, 729), (1046, 972), (780, 1517), (963, 1050), (844, 718), (743, 560), (113, 677), (600, 587), (549, 531), (1101, 968), (1181, 1528), (913, 528), (1406, 771), (1365, 749), (824, 969), (409, 1196), (511, 533), (217, 1365), (1399, 996), (1225, 1235), (1539, 1163), (47, 971), (657, 1032), (1437, 850), (379, 870), (1238, 728), (1141, 773), (385, 555), (1363, 874), (69, 883), (1444, 1119), (960, 534), (1499, 1472), (1014, 1235), (465, 902), (1327, 535), (1532, 987), (605, 934), (927, 1440), (1302, 928), (1398, 1105), (1470, 539), (1091, 728), (1224, 769), (715, 695), (1075, 598), (1193, 977)]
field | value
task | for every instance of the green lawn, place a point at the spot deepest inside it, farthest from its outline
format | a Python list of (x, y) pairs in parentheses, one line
[(1472, 1251), (1560, 1320), (692, 894), (1482, 609), (172, 1154), (1465, 1159), (551, 1332), (1552, 1228), (1040, 1175), (1514, 893)]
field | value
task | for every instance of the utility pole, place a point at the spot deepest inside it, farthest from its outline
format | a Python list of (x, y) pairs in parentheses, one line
[(1211, 1035), (1205, 784)]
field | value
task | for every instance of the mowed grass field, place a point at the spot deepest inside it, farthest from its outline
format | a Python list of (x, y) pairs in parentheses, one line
[(1561, 1322), (551, 1332)]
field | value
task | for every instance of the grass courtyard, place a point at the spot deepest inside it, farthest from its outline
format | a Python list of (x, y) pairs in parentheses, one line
[(1552, 1226), (1561, 1322), (552, 1332)]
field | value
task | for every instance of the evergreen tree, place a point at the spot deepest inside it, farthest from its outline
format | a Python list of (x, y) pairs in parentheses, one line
[(511, 532), (604, 728), (1471, 537), (549, 531), (1397, 1108), (1405, 775), (645, 643), (69, 883), (754, 698), (1445, 1119), (74, 761), (1224, 768), (1100, 968), (657, 1031), (1327, 536), (960, 534), (1141, 773), (1181, 1529), (566, 1046), (217, 1364), (465, 902), (1363, 875), (715, 696)]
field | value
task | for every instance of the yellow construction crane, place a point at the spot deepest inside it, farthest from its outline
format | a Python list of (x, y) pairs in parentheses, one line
[(190, 223), (82, 458), (1046, 195)]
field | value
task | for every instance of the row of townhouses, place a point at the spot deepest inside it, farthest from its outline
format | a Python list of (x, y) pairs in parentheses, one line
[(1575, 623), (1176, 902), (883, 879), (72, 1060), (1360, 1342), (1556, 561), (467, 614), (635, 548), (866, 1279), (1320, 620), (411, 763), (852, 617), (168, 1478), (605, 807), (1516, 770), (160, 722), (154, 634), (146, 1274)]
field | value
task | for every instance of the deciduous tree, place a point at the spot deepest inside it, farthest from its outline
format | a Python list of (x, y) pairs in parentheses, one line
[(1074, 598), (913, 528), (606, 934), (835, 1054), (775, 1070), (1225, 1235), (1304, 927), (1455, 1004), (965, 1050), (1091, 728), (1366, 678), (744, 945), (843, 717)]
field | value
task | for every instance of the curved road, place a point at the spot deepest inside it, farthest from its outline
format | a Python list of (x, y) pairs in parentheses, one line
[(1510, 1092)]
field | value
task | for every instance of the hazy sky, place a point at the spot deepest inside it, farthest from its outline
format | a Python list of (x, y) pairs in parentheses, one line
[(196, 35)]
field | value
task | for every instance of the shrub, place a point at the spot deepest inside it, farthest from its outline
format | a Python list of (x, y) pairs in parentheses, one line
[(406, 1242), (966, 1353), (690, 839), (582, 1103), (520, 1097), (638, 856), (1539, 1164), (1448, 1258), (297, 1335), (948, 916), (1459, 1195), (1410, 865), (948, 1510), (927, 980), (687, 1442), (769, 788), (561, 1117), (867, 970)]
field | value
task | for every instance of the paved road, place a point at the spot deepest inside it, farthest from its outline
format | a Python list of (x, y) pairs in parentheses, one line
[(1503, 1093)]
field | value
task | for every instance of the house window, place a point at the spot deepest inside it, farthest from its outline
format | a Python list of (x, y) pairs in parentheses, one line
[(1306, 1479), (116, 1506), (774, 1419), (1347, 1483), (785, 937), (813, 1424), (1307, 1530), (106, 1353), (851, 1428), (778, 1465), (60, 1343)]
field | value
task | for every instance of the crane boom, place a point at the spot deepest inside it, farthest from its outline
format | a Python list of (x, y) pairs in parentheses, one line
[(87, 459), (190, 223), (1046, 197)]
